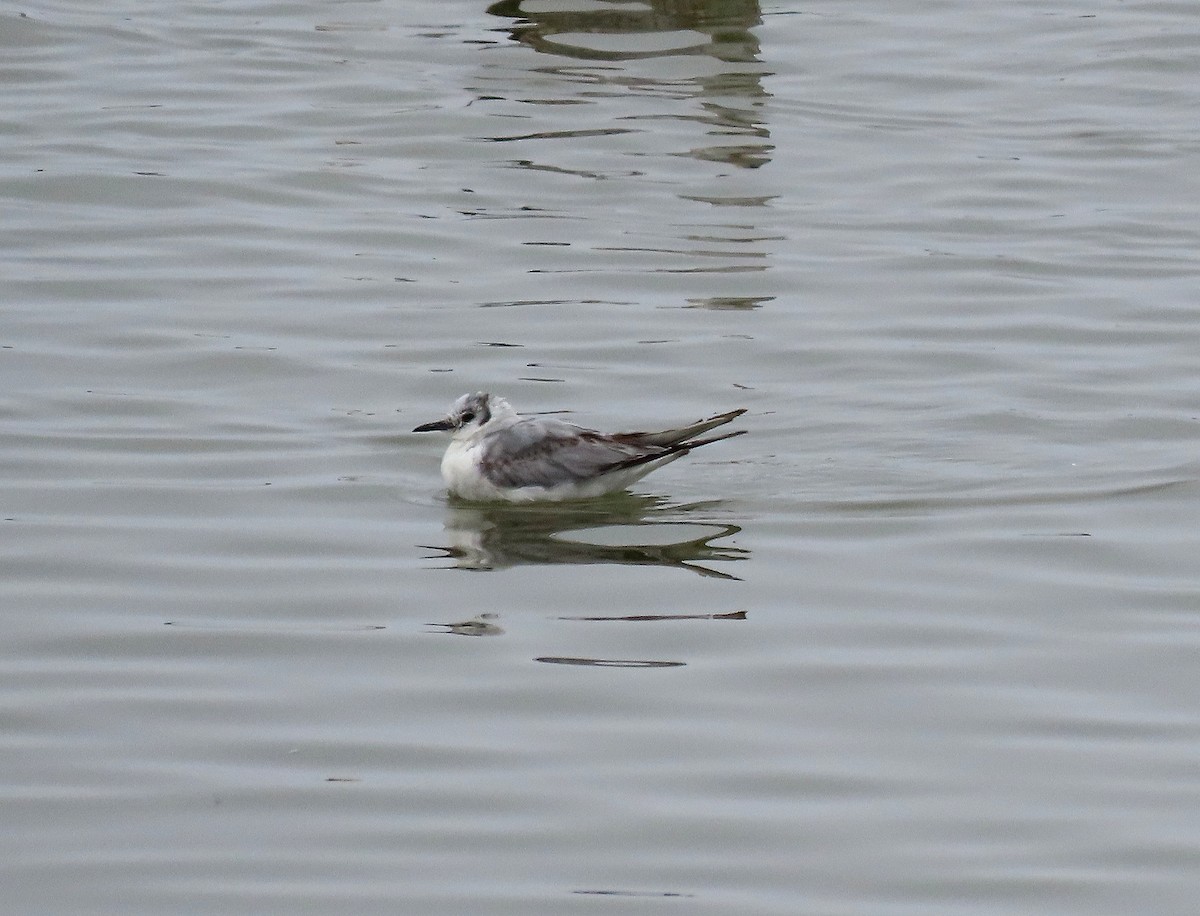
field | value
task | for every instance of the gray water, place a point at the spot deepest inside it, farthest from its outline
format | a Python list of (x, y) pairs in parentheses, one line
[(923, 642)]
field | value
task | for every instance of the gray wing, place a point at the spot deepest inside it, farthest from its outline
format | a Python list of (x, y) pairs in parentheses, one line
[(545, 453)]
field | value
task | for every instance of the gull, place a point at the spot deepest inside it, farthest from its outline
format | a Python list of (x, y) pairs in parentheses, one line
[(495, 454)]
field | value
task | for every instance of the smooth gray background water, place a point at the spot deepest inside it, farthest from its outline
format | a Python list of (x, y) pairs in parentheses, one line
[(924, 642)]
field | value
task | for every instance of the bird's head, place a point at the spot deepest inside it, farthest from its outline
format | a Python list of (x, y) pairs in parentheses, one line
[(468, 414)]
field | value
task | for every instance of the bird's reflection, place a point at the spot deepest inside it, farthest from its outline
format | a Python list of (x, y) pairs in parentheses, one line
[(616, 31), (621, 528), (723, 25), (480, 625)]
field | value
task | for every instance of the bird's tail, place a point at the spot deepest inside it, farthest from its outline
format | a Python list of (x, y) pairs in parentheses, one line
[(670, 452), (669, 437)]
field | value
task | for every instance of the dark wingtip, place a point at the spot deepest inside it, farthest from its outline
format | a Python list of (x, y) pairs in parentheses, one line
[(732, 415), (679, 448), (696, 443)]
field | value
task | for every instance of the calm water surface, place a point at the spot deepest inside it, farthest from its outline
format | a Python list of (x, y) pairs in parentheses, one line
[(925, 641)]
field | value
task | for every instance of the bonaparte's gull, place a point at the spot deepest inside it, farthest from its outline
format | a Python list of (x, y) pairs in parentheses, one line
[(496, 454)]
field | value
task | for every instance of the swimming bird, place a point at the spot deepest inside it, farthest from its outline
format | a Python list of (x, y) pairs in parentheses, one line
[(495, 454)]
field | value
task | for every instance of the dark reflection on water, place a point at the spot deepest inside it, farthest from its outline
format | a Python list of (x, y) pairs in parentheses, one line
[(725, 25), (729, 303), (610, 893), (609, 662), (663, 97), (649, 618), (480, 625), (717, 29), (623, 528)]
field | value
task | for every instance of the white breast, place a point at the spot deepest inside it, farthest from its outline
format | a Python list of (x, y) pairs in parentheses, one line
[(460, 470)]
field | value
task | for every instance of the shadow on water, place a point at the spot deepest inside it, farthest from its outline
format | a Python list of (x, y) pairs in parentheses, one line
[(622, 528)]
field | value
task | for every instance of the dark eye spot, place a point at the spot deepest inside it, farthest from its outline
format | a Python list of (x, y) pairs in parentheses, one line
[(468, 416)]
